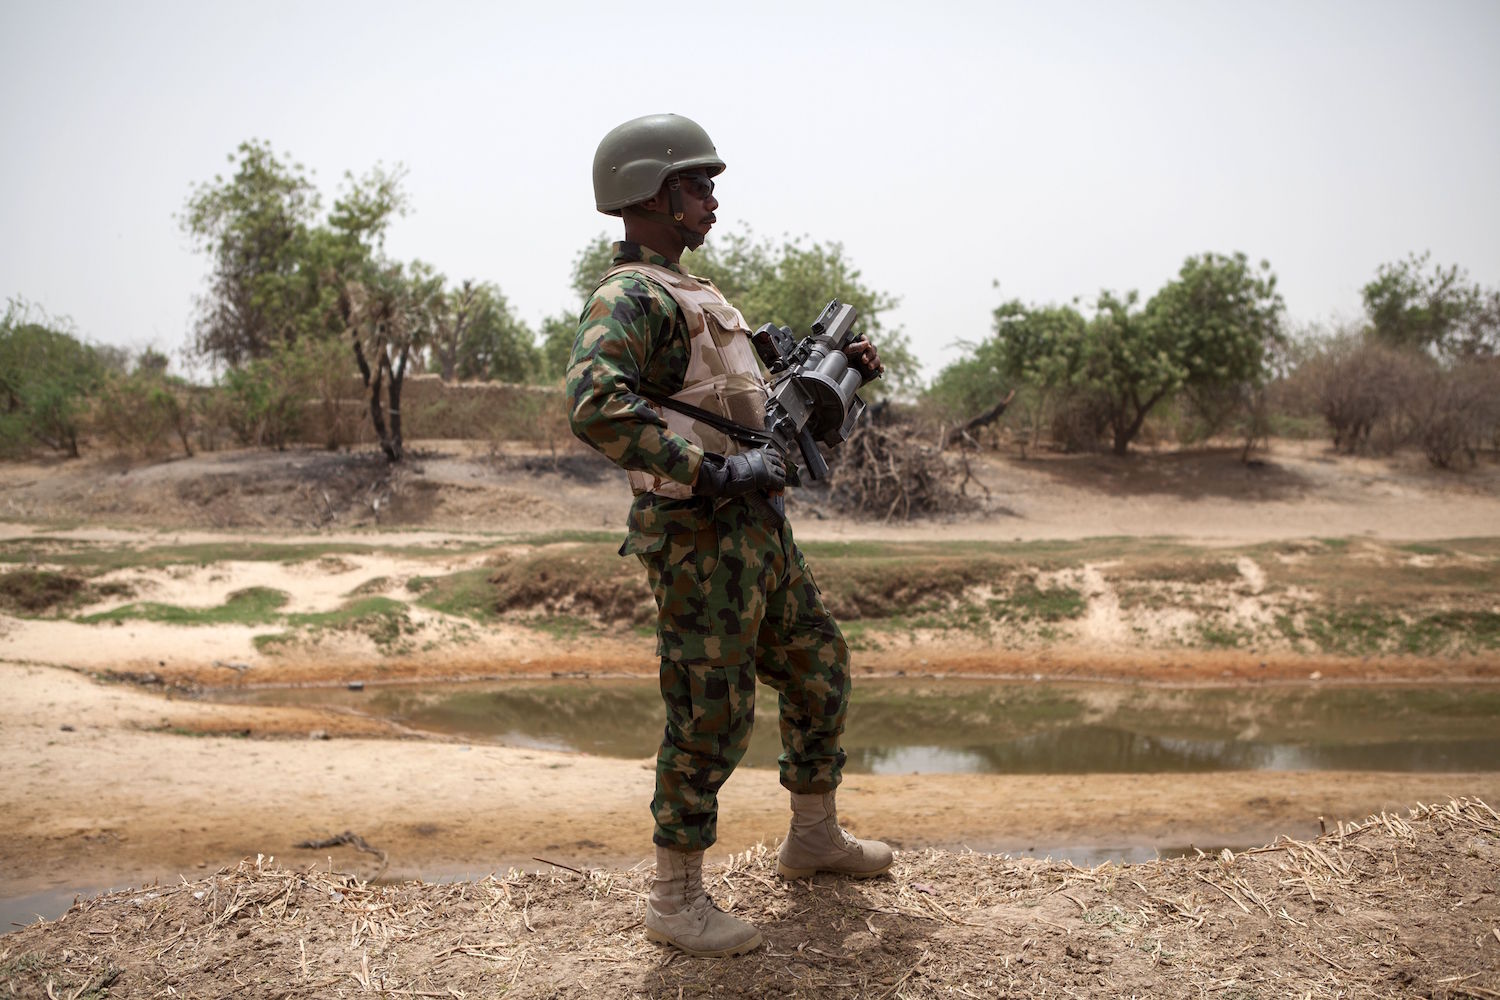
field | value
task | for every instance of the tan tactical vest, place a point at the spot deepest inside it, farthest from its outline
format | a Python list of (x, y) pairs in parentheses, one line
[(723, 373)]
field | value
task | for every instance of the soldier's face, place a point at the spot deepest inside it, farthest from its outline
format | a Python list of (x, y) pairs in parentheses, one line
[(698, 202)]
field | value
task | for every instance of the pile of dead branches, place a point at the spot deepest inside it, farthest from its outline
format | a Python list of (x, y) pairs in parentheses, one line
[(887, 470)]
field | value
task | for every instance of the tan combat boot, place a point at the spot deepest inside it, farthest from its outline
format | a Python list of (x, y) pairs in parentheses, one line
[(679, 912), (816, 843)]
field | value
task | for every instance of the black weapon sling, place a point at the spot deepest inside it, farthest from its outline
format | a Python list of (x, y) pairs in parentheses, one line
[(740, 432), (774, 507)]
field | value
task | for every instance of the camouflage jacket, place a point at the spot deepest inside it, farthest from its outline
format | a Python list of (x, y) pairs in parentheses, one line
[(630, 333)]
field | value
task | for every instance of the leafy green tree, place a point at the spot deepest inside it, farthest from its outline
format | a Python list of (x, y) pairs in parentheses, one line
[(1038, 347), (476, 336), (558, 333), (1210, 328), (1222, 316), (453, 324), (1130, 363), (283, 276), (787, 284), (1222, 319), (1414, 303), (255, 226), (47, 376), (590, 264), (277, 269)]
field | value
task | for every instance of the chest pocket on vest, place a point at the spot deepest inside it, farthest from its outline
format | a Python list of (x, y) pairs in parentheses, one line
[(731, 340)]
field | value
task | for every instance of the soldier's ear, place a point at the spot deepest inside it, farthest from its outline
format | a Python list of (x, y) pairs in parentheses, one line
[(658, 202)]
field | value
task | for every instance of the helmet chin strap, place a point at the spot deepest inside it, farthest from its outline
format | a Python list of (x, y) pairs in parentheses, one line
[(690, 239)]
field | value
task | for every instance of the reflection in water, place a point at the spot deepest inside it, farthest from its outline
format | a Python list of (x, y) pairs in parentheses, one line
[(907, 727), (1096, 749)]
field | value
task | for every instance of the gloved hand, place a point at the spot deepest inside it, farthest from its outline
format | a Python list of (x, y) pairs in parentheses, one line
[(740, 474)]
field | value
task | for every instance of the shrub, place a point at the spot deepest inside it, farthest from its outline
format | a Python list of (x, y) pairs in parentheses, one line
[(1459, 412), (144, 412), (264, 400), (538, 416), (46, 378), (1366, 391)]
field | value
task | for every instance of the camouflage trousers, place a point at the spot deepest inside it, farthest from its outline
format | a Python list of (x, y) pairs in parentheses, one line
[(736, 602)]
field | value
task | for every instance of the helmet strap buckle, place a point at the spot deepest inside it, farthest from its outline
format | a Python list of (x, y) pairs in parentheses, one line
[(674, 196)]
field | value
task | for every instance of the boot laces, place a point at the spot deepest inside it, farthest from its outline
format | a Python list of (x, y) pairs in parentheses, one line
[(693, 892)]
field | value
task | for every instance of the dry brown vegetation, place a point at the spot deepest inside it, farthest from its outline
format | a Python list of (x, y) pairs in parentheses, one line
[(1393, 906)]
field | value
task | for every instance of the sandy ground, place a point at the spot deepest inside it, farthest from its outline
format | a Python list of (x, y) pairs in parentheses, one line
[(99, 791)]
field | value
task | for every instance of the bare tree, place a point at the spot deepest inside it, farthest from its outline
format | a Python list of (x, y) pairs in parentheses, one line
[(390, 316)]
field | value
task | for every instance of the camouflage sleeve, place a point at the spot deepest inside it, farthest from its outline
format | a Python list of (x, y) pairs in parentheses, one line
[(624, 327)]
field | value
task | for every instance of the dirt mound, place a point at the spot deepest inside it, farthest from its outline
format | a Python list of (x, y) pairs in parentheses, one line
[(1390, 907), (591, 582)]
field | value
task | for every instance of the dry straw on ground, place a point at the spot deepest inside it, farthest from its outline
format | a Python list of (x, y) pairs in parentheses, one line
[(1394, 906)]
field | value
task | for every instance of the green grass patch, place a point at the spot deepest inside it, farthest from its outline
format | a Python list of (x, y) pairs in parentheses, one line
[(856, 588), (1029, 602), (1219, 636), (564, 627), (1420, 549), (1470, 631), (1063, 552), (1192, 571), (1364, 631), (387, 622), (466, 594), (252, 606)]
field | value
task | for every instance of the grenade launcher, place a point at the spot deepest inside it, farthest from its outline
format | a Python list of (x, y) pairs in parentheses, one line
[(813, 386)]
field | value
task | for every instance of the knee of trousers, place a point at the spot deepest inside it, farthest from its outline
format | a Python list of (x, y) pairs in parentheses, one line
[(815, 684)]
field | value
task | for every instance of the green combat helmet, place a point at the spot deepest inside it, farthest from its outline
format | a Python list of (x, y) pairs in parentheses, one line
[(635, 158)]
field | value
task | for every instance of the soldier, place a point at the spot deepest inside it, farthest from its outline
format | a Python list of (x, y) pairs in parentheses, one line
[(735, 598)]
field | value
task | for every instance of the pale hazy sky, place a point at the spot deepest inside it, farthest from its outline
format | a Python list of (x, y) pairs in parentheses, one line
[(1057, 148)]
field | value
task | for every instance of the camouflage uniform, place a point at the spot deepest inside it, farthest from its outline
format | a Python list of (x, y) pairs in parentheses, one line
[(735, 597)]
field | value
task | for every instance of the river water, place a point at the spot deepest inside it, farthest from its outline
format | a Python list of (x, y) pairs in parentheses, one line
[(908, 726)]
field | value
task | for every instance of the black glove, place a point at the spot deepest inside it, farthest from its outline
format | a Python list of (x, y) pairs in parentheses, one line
[(738, 475)]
